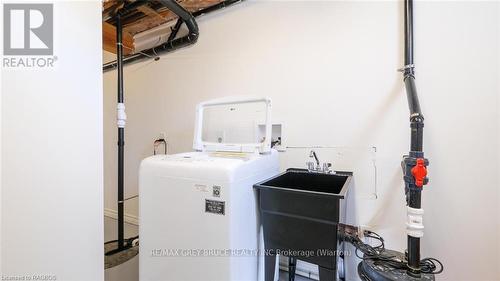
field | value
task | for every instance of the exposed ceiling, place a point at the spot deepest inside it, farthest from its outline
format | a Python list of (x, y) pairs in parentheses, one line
[(146, 17)]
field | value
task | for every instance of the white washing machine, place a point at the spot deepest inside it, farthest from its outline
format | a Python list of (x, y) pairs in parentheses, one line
[(198, 214)]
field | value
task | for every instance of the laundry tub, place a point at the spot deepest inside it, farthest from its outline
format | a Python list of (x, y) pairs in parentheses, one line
[(300, 213)]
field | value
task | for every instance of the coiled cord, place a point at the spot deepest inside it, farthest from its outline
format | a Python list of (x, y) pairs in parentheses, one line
[(375, 253)]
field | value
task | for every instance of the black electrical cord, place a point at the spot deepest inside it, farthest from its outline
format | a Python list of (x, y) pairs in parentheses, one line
[(376, 254)]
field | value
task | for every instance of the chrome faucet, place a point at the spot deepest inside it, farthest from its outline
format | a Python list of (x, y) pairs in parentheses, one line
[(312, 154), (316, 166)]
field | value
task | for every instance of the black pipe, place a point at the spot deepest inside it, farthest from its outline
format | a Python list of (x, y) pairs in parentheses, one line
[(183, 14), (216, 7), (413, 192), (411, 93), (121, 132), (416, 137), (172, 45), (408, 6), (174, 30), (192, 36), (409, 68)]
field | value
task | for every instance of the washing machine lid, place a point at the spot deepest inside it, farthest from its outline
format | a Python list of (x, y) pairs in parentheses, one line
[(234, 125)]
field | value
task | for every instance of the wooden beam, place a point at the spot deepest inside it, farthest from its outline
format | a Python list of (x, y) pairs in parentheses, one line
[(109, 39), (150, 12), (154, 18), (106, 4), (151, 20), (195, 5), (145, 19)]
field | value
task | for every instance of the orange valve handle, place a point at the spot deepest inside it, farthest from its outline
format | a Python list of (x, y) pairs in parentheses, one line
[(419, 171)]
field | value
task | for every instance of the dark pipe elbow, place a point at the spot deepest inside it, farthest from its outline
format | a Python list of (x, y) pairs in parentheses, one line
[(413, 102), (177, 9), (186, 17)]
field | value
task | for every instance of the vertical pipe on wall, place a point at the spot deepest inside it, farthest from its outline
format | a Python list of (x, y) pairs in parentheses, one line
[(408, 21), (121, 130), (414, 190), (184, 16)]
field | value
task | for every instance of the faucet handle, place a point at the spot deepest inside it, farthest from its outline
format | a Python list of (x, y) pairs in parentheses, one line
[(327, 167), (310, 166)]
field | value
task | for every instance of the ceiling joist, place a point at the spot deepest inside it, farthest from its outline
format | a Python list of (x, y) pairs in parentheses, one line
[(143, 18), (109, 39)]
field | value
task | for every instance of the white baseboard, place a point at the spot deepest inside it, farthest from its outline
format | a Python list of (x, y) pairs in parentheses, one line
[(131, 219)]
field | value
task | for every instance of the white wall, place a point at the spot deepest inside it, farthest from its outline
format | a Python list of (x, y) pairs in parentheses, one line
[(52, 185), (330, 68), (1, 155)]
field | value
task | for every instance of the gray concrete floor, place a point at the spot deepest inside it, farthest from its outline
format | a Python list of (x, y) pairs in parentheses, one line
[(129, 271)]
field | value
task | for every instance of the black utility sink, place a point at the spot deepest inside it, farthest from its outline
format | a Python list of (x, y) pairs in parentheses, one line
[(300, 212)]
